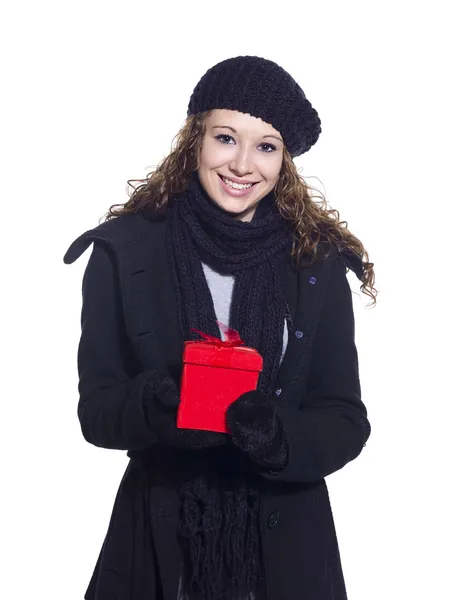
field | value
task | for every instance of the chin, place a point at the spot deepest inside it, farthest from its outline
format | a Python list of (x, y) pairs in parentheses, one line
[(234, 206)]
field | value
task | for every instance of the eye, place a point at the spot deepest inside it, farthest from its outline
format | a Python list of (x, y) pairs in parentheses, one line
[(223, 135), (268, 147), (271, 146)]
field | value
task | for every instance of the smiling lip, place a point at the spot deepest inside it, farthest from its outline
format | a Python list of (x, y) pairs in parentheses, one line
[(234, 192), (243, 181)]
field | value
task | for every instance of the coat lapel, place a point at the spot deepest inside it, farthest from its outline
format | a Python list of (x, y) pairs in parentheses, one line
[(152, 307), (290, 292), (138, 248), (305, 289)]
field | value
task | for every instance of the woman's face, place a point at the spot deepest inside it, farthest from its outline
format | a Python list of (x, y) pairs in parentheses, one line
[(241, 148)]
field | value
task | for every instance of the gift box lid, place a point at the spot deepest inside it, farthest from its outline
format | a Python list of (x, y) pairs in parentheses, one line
[(212, 355)]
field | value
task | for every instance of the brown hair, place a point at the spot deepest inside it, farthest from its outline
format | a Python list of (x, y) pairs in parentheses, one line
[(311, 221)]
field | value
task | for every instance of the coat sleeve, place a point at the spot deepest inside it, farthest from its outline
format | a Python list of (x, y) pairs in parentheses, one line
[(331, 427), (111, 407)]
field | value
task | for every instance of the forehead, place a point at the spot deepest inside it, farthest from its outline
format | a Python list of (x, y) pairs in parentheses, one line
[(242, 122)]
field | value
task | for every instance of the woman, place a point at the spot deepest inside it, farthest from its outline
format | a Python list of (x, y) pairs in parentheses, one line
[(225, 229)]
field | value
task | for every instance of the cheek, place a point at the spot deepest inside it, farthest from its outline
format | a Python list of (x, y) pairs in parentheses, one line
[(212, 154), (277, 164), (271, 169)]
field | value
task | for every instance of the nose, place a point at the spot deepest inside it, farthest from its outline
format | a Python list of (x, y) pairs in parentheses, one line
[(242, 163)]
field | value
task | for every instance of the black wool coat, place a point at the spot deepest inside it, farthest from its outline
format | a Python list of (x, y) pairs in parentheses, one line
[(129, 330)]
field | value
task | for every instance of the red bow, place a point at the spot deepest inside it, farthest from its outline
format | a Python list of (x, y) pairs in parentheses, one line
[(232, 337)]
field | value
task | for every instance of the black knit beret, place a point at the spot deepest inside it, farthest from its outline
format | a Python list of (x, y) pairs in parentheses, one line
[(261, 88)]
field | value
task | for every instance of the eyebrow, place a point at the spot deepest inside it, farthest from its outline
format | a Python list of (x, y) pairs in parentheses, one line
[(234, 130)]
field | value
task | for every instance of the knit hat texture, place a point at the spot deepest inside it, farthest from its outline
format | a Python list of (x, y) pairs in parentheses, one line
[(261, 88)]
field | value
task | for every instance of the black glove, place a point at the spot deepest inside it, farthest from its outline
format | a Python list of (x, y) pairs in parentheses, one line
[(161, 401), (257, 430)]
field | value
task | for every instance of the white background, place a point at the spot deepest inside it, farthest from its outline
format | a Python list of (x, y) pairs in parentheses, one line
[(93, 93)]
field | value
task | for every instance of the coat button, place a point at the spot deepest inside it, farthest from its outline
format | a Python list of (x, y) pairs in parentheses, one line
[(298, 334), (312, 280), (273, 519)]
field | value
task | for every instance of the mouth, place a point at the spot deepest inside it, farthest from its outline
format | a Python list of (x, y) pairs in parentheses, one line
[(234, 191), (246, 186)]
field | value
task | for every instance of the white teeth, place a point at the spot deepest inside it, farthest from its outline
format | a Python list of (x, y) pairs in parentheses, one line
[(237, 186)]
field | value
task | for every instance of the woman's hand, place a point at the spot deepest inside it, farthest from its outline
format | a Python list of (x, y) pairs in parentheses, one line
[(256, 429), (162, 401)]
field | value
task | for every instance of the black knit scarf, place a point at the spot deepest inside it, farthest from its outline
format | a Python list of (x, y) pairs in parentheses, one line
[(219, 496)]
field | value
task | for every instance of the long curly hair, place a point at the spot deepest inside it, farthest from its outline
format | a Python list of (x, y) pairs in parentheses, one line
[(310, 220)]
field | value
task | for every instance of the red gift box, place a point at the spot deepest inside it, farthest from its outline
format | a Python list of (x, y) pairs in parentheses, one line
[(215, 374)]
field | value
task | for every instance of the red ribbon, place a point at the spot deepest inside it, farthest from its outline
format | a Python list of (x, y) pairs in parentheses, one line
[(232, 336)]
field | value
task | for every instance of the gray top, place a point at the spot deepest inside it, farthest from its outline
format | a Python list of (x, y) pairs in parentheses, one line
[(221, 287)]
